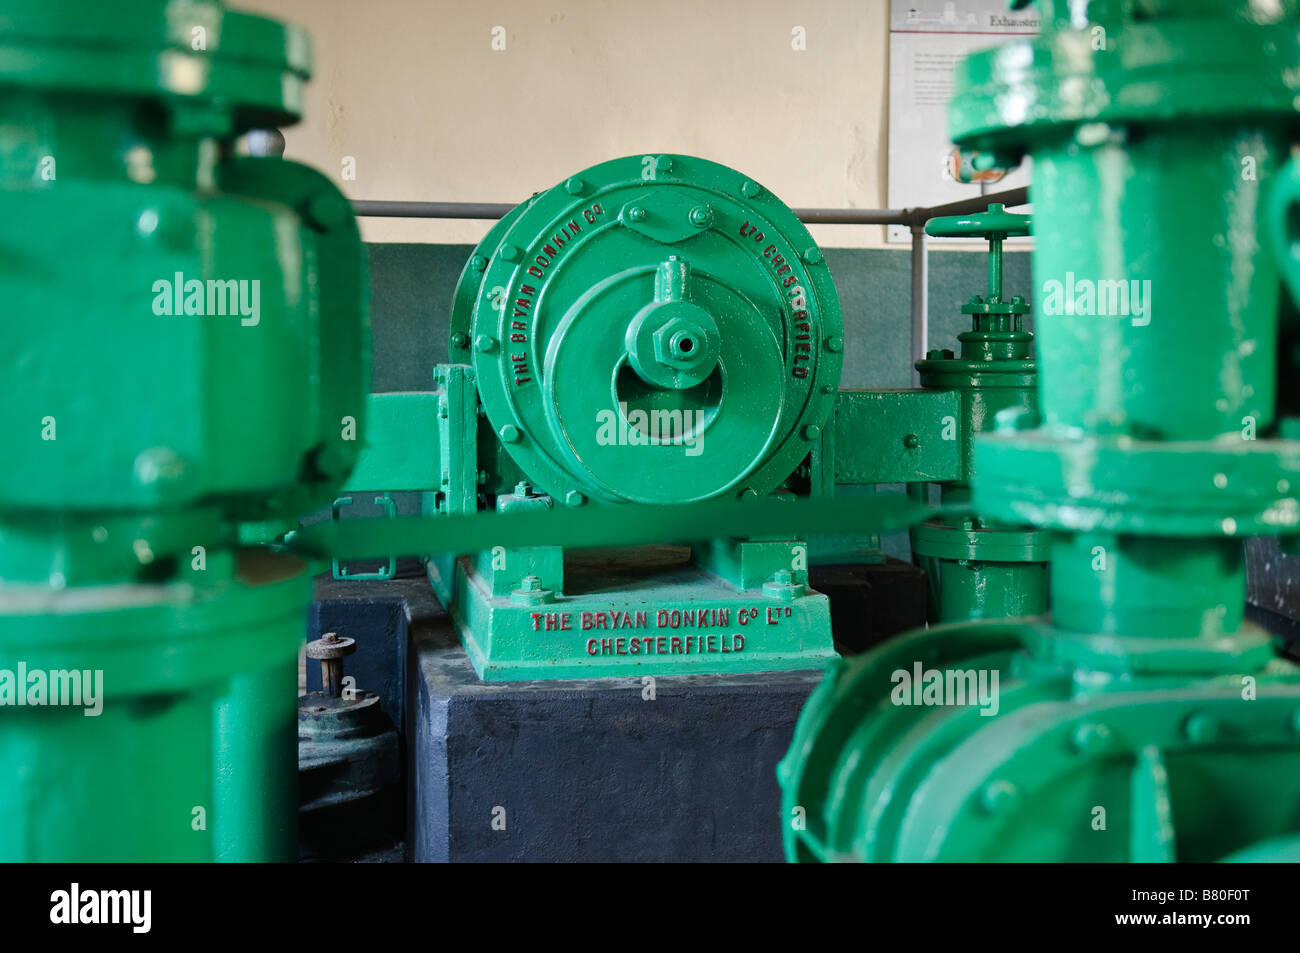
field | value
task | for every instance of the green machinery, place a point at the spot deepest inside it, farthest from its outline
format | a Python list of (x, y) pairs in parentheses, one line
[(1144, 719), (186, 363), (662, 330), (977, 570), (656, 329)]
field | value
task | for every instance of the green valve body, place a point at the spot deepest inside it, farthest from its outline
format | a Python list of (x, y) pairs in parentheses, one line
[(186, 367), (978, 570), (655, 329), (1144, 719)]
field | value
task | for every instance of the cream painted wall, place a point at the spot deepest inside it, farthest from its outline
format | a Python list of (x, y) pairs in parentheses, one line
[(413, 90)]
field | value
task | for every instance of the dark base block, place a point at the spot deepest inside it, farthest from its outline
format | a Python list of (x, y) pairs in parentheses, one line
[(591, 769), (871, 601), (682, 768), (1286, 629)]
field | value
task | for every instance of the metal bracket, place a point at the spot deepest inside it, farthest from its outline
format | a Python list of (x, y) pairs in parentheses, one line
[(390, 512)]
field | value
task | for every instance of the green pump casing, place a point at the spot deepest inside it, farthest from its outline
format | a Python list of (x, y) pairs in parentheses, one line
[(655, 329)]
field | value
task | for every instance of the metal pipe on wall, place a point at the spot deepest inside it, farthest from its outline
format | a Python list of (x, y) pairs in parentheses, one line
[(920, 298), (490, 211), (913, 218)]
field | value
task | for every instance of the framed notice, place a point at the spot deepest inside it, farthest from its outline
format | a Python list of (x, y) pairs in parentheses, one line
[(927, 38)]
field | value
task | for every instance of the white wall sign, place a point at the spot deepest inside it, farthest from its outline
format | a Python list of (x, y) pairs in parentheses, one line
[(927, 38)]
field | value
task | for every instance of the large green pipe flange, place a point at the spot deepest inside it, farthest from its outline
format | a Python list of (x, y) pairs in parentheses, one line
[(1086, 755), (217, 69), (1120, 728), (187, 364), (1122, 62), (660, 301), (1158, 311), (164, 673)]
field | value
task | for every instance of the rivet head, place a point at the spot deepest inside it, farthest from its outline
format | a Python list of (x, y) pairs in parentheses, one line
[(1090, 738), (911, 441), (574, 498), (663, 164), (636, 213), (478, 263), (701, 216), (574, 186), (999, 796), (828, 388), (1202, 729), (509, 252), (485, 343), (812, 432), (750, 189), (160, 468), (460, 339), (146, 223), (812, 254), (509, 433), (835, 344)]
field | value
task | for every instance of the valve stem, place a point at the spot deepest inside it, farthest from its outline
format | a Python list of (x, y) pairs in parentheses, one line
[(331, 650)]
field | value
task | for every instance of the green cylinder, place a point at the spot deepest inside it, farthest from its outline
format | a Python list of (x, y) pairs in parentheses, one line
[(187, 364), (1120, 727), (166, 754), (1147, 586), (1121, 347), (975, 589)]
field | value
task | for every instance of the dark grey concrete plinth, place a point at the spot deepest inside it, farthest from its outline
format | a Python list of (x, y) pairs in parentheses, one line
[(591, 770)]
